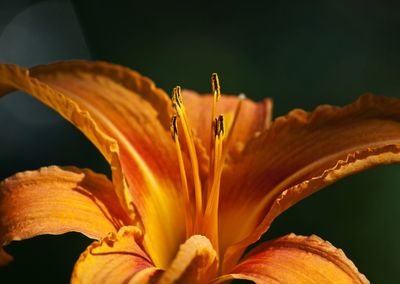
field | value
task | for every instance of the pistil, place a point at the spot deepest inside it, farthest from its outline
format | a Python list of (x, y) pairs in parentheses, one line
[(216, 89), (229, 137)]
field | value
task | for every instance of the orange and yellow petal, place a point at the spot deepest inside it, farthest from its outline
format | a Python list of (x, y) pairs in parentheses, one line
[(57, 200), (118, 258), (196, 262), (127, 118), (252, 117), (300, 154), (296, 259)]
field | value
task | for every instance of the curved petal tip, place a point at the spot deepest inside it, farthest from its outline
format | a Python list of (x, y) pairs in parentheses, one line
[(297, 259)]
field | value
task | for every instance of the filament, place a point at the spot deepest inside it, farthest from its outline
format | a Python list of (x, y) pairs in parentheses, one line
[(180, 110), (186, 197)]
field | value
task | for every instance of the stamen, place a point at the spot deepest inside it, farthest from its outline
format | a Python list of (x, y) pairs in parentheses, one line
[(186, 197), (211, 213), (216, 89), (180, 110), (203, 222)]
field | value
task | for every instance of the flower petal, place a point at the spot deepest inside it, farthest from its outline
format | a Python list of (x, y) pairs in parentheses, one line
[(117, 258), (253, 117), (127, 118), (300, 154), (296, 259), (196, 262), (54, 201)]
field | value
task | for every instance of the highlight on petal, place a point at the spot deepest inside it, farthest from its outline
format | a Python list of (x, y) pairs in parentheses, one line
[(118, 258), (57, 200), (196, 262), (127, 118), (296, 259), (300, 154)]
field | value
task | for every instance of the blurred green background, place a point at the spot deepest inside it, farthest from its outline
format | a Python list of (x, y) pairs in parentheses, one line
[(300, 53)]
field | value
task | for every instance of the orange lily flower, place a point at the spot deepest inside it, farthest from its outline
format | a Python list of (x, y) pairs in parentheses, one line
[(185, 209)]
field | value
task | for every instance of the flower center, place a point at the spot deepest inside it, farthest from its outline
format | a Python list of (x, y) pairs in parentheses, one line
[(202, 218)]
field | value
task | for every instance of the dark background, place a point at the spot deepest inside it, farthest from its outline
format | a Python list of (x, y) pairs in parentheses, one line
[(300, 53)]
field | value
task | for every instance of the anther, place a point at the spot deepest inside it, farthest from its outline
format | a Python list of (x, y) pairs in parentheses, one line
[(177, 97), (174, 127), (219, 126), (215, 85)]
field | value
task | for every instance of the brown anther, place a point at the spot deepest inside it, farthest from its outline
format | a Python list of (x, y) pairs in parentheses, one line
[(174, 127), (177, 97), (219, 126)]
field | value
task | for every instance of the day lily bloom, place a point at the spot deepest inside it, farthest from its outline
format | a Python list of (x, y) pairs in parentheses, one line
[(196, 179)]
